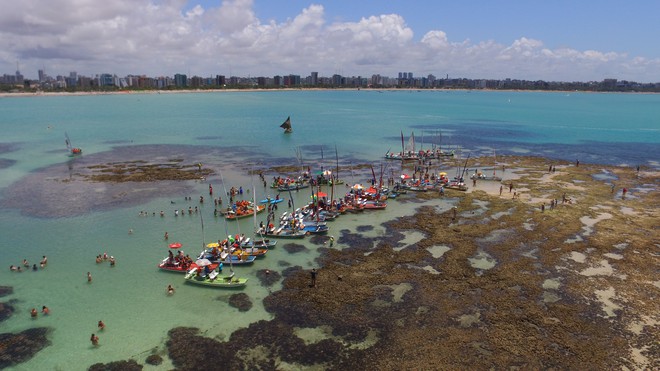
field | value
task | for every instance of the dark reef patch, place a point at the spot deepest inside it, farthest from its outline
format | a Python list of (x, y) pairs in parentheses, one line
[(240, 301), (154, 359), (293, 248), (364, 228), (129, 365), (19, 347), (6, 162), (124, 176), (6, 310), (268, 277), (8, 147), (6, 290)]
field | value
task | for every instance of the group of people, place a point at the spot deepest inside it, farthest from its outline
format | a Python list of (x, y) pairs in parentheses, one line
[(94, 338), (44, 310), (26, 264), (101, 258), (180, 259)]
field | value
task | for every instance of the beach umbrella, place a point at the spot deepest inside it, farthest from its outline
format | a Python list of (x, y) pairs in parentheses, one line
[(443, 174), (175, 245), (405, 176), (203, 262), (327, 172), (358, 186), (322, 194)]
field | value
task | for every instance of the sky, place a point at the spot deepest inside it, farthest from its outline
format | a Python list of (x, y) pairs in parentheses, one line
[(559, 40)]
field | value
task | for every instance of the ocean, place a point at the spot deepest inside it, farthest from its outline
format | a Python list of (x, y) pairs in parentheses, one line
[(46, 211)]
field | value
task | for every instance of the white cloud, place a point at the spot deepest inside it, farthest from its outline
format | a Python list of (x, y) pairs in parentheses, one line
[(165, 37)]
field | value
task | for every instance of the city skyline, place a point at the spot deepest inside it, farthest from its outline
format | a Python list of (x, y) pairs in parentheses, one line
[(558, 41)]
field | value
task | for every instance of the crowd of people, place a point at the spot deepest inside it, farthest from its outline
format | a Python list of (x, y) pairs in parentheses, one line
[(26, 265)]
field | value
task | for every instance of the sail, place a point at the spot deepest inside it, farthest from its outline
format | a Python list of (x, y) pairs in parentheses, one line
[(68, 142), (286, 125)]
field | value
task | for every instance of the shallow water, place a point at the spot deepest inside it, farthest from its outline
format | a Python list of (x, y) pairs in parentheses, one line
[(71, 223)]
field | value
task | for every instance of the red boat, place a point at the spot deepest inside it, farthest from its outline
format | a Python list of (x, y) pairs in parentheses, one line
[(179, 268)]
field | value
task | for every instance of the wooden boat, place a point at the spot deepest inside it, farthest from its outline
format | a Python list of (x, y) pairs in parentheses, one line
[(242, 209), (250, 251), (459, 186), (179, 268), (482, 176), (315, 228), (271, 201), (374, 205), (73, 151), (286, 125), (214, 279), (238, 259), (285, 233), (293, 186), (259, 242)]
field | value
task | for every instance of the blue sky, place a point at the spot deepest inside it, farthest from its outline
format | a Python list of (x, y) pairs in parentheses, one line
[(550, 40), (606, 25)]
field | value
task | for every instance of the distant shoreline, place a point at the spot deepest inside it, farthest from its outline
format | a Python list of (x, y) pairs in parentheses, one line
[(206, 91)]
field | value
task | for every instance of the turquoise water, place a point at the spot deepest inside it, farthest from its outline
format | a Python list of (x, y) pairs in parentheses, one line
[(130, 297)]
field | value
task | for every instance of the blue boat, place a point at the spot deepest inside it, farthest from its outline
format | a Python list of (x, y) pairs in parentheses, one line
[(271, 201), (315, 228)]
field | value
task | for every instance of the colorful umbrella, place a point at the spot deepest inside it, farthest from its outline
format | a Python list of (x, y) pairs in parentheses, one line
[(322, 194), (175, 245), (405, 176)]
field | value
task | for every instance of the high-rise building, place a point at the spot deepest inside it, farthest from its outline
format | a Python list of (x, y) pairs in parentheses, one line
[(180, 80), (42, 76), (315, 79)]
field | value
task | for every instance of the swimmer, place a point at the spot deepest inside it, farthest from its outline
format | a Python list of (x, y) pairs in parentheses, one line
[(101, 326), (34, 267), (33, 313), (12, 268), (45, 310), (89, 277), (130, 231), (25, 263), (44, 260), (95, 340), (167, 235), (170, 290), (112, 261)]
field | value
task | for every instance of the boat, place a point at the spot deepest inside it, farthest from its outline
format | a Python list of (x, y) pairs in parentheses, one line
[(259, 243), (250, 251), (315, 228), (407, 152), (73, 151), (213, 279), (481, 176), (271, 201), (242, 209), (374, 205), (238, 259), (286, 125), (293, 186), (283, 232), (177, 267)]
